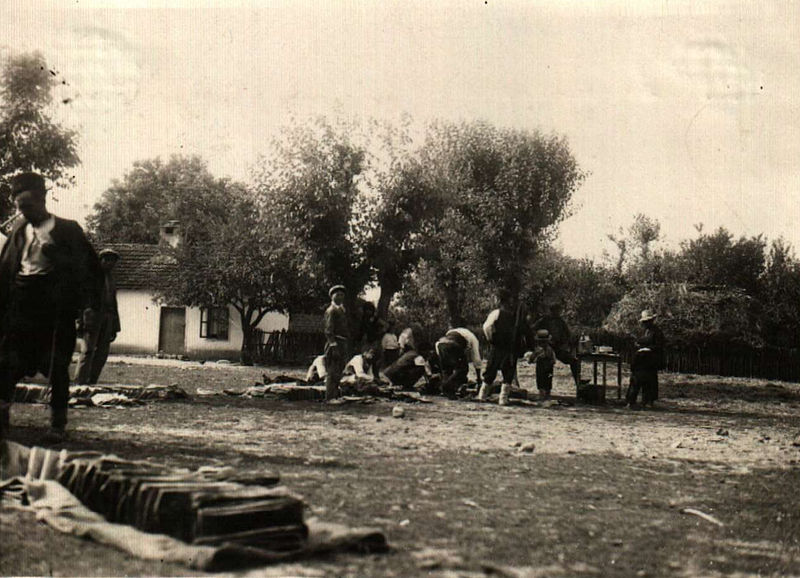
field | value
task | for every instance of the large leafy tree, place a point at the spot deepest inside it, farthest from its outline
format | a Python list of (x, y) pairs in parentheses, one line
[(505, 192), (30, 140), (132, 209), (230, 255), (310, 189)]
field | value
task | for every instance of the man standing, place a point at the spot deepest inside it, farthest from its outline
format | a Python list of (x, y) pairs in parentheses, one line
[(97, 339), (337, 341), (455, 351), (647, 360), (561, 340), (504, 329), (49, 276)]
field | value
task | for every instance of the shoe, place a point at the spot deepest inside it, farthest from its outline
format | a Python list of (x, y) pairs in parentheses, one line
[(505, 390), (54, 435), (483, 393)]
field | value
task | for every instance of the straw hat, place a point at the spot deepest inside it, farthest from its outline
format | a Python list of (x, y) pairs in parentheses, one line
[(543, 335)]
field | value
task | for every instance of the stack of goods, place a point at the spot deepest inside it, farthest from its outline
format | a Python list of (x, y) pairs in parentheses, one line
[(196, 507)]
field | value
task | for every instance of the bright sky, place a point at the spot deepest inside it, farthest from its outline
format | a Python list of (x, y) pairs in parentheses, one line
[(685, 111)]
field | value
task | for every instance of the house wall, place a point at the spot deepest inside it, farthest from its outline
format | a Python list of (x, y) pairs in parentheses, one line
[(202, 347), (140, 317)]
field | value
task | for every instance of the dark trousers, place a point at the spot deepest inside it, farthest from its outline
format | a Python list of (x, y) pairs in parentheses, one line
[(645, 380), (565, 355), (544, 374), (404, 372), (335, 360), (454, 365), (40, 339), (94, 355), (500, 360)]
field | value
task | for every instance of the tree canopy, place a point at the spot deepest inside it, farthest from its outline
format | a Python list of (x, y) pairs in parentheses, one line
[(30, 140)]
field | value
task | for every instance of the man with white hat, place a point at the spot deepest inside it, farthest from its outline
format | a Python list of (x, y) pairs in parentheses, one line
[(337, 341), (647, 360)]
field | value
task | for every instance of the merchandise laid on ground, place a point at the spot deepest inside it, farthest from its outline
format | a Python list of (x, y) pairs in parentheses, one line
[(211, 518)]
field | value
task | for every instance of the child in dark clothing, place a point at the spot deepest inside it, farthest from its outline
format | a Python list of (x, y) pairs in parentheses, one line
[(545, 359)]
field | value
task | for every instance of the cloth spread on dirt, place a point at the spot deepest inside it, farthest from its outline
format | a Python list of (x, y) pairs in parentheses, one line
[(28, 480), (102, 395), (354, 393)]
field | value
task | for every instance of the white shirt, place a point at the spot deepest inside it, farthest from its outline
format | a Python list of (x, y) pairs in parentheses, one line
[(488, 325), (318, 367), (473, 347), (34, 262), (356, 366)]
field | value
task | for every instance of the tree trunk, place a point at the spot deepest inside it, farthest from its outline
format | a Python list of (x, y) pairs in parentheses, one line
[(246, 354), (388, 291), (452, 301)]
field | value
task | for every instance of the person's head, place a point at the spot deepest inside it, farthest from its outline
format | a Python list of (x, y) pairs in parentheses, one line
[(337, 294), (647, 318), (108, 258), (556, 309), (369, 354), (28, 195)]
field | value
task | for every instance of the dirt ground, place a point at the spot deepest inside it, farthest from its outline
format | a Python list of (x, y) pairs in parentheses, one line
[(463, 488)]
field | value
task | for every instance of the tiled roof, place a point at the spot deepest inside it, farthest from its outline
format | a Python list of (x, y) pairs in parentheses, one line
[(140, 266)]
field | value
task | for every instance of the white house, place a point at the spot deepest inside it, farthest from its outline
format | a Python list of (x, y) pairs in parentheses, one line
[(149, 327)]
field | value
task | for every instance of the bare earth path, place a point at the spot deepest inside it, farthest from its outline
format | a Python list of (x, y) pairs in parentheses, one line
[(544, 491)]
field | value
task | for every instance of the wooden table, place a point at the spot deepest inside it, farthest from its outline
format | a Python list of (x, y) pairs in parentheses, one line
[(604, 358)]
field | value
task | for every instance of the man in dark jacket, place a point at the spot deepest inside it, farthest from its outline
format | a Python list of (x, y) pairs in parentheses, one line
[(337, 341), (97, 339), (646, 362), (49, 276), (561, 340)]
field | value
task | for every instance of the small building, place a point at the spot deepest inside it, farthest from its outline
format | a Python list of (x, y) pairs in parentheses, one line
[(149, 327)]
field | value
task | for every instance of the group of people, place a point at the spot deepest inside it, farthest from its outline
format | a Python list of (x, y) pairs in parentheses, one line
[(407, 359), (54, 287)]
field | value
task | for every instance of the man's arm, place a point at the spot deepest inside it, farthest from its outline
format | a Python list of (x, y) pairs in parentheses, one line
[(328, 327)]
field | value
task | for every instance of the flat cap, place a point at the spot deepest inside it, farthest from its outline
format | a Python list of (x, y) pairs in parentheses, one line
[(108, 253), (336, 288)]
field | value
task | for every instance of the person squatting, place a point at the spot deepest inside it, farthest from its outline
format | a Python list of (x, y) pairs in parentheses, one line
[(408, 360)]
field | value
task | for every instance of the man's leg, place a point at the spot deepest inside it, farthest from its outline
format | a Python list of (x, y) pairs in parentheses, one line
[(490, 374), (565, 356), (633, 389), (83, 370), (12, 369), (334, 366), (99, 359), (61, 355)]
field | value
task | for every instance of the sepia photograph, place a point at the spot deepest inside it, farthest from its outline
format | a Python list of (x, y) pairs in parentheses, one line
[(456, 288)]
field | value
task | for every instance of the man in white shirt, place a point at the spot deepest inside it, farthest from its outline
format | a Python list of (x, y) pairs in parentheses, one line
[(456, 350), (49, 276)]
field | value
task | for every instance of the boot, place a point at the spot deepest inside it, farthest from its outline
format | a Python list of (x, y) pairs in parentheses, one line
[(505, 390), (58, 424), (483, 393)]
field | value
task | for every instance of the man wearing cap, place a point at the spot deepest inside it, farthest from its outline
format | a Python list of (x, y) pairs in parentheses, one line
[(49, 276), (337, 341), (647, 360), (561, 340), (97, 338)]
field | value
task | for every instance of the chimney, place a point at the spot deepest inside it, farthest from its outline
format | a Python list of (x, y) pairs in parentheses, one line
[(170, 234)]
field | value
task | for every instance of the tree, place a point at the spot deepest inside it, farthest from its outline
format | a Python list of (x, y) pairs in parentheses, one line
[(310, 187), (504, 191), (132, 210), (718, 259), (780, 296), (30, 140), (398, 212), (229, 255)]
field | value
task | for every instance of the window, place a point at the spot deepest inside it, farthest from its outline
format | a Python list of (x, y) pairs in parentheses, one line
[(214, 322)]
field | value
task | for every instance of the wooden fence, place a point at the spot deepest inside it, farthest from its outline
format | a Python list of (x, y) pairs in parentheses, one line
[(287, 347), (724, 359)]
